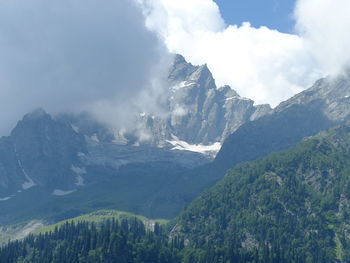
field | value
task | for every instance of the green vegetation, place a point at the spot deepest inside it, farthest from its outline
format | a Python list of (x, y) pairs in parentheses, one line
[(103, 215), (111, 241), (296, 202), (125, 241)]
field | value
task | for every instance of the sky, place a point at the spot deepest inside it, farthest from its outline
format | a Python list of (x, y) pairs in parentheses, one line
[(259, 61), (109, 57), (274, 14)]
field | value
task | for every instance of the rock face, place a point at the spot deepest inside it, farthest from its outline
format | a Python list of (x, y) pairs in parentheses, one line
[(324, 105), (200, 113), (39, 151), (332, 93)]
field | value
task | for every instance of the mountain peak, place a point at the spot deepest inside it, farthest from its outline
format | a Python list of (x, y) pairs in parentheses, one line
[(228, 91), (38, 113), (179, 59)]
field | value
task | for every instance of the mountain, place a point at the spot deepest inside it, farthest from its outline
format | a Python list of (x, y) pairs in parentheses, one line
[(200, 112), (56, 167), (296, 202), (45, 162), (290, 206), (39, 152), (196, 114), (324, 105), (66, 165)]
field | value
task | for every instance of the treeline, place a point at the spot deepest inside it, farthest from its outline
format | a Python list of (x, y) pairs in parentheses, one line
[(127, 241), (110, 241)]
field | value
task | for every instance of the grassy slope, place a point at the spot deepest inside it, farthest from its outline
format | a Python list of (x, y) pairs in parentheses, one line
[(102, 215)]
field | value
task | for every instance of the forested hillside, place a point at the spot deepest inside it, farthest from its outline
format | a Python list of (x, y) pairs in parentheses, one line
[(296, 202), (126, 241)]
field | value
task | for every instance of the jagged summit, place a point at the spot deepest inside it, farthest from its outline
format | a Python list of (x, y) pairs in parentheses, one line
[(179, 59), (228, 91), (200, 112)]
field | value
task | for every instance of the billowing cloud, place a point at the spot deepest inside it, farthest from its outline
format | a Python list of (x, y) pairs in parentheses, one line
[(325, 26), (259, 63), (75, 55), (88, 55)]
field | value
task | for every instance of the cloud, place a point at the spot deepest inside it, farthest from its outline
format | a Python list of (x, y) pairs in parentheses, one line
[(75, 55), (325, 26), (88, 55), (259, 63)]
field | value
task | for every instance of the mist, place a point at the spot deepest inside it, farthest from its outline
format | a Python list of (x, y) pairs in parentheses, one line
[(77, 55)]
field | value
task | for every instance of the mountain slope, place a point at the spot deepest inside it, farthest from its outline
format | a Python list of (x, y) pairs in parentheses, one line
[(297, 201), (324, 105)]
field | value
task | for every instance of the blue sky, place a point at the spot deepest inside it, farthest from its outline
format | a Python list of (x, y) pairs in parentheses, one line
[(275, 14)]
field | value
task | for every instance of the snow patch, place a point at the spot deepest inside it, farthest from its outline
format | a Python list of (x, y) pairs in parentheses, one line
[(80, 154), (6, 198), (232, 98), (75, 128), (79, 180), (78, 170), (95, 138), (30, 183), (182, 85), (238, 98), (59, 192), (179, 111), (212, 149)]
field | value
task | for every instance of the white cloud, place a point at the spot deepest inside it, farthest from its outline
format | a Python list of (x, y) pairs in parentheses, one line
[(75, 55), (259, 63), (98, 56), (325, 25)]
